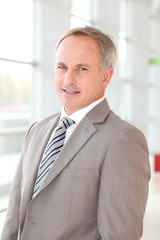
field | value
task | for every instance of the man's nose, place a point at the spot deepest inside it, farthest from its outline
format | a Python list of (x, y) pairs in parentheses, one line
[(69, 77)]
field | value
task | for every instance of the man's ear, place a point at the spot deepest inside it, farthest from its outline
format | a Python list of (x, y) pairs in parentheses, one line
[(107, 77)]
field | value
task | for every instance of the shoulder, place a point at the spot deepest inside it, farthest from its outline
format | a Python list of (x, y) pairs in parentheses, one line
[(110, 126), (114, 129), (46, 120), (117, 125), (44, 124)]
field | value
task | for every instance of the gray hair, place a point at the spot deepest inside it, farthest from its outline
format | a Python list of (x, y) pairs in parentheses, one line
[(107, 47)]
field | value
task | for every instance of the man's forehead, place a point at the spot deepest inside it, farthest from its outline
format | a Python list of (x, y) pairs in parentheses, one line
[(81, 40)]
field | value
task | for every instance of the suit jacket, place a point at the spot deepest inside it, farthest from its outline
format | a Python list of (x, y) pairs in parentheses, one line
[(96, 189)]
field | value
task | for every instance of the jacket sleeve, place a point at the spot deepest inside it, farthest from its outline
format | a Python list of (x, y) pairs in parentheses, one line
[(124, 187), (11, 225)]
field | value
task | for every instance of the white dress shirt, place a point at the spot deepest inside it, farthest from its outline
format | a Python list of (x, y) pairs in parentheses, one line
[(78, 116)]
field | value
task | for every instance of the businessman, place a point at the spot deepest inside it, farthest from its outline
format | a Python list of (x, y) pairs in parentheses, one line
[(83, 173)]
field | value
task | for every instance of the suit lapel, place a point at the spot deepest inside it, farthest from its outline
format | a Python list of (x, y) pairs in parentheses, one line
[(81, 134), (84, 130), (43, 136)]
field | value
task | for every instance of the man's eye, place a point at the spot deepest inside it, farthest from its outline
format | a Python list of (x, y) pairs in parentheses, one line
[(61, 67), (83, 69)]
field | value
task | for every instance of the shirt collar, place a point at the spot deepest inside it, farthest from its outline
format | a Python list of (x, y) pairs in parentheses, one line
[(79, 115)]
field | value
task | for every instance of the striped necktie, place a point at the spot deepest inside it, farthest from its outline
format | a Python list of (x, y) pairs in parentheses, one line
[(51, 152)]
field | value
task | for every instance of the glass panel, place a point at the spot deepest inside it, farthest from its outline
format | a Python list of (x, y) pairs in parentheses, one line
[(80, 12), (15, 87), (125, 106), (152, 102), (82, 6), (16, 29), (152, 136), (7, 171), (77, 22)]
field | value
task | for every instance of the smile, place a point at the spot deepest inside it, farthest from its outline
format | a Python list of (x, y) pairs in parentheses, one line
[(71, 91)]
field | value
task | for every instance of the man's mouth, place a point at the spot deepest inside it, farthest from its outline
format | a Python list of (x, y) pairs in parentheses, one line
[(71, 91)]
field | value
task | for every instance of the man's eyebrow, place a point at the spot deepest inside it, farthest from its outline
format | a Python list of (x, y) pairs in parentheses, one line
[(77, 66), (82, 65), (61, 63)]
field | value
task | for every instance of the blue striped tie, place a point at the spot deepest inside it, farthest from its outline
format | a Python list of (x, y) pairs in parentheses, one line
[(51, 152)]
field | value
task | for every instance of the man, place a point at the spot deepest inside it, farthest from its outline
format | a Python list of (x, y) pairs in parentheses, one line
[(97, 186)]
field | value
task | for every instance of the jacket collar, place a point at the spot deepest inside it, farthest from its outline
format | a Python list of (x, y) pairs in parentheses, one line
[(84, 130)]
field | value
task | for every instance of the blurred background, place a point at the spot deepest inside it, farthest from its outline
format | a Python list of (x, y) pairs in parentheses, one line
[(29, 31)]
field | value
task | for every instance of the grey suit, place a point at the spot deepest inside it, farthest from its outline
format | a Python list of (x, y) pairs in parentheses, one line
[(96, 189)]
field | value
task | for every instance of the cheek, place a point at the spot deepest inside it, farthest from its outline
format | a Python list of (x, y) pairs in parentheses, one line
[(57, 80), (57, 85)]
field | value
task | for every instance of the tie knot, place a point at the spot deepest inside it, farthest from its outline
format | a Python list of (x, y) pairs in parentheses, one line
[(65, 122)]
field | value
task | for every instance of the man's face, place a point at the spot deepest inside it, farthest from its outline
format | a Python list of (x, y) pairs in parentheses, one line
[(78, 77)]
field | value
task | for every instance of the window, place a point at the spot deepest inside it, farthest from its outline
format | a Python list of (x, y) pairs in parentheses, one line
[(15, 86), (80, 13)]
